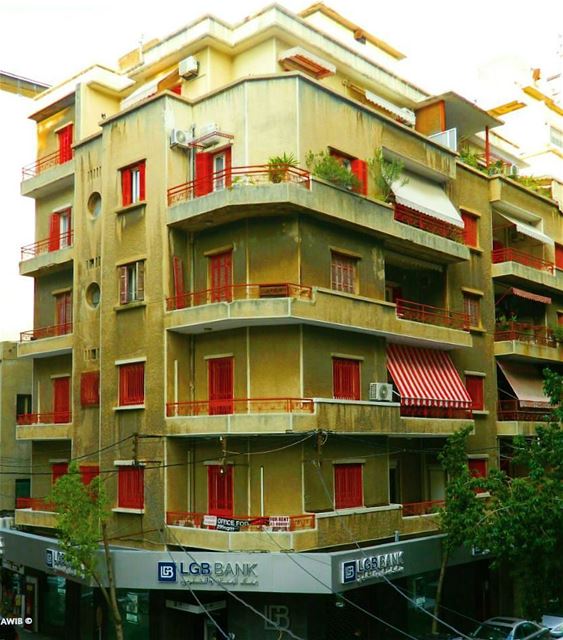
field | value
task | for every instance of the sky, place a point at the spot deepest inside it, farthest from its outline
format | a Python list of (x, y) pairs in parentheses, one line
[(446, 42)]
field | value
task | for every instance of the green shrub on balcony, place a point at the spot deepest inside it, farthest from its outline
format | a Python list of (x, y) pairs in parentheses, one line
[(278, 166), (329, 168), (385, 173)]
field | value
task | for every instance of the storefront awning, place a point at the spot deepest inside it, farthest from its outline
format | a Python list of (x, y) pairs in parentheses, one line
[(426, 377), (526, 384), (528, 230), (520, 293), (428, 197)]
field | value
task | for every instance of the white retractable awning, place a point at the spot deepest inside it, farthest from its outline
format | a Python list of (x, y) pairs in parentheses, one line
[(528, 230), (427, 197), (407, 115)]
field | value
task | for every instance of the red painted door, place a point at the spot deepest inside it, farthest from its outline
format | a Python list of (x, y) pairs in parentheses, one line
[(65, 144), (221, 276), (203, 174), (54, 232), (63, 313), (61, 400), (180, 299), (220, 490), (220, 386)]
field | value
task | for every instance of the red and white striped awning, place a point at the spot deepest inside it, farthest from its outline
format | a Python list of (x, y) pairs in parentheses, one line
[(520, 293), (426, 377)]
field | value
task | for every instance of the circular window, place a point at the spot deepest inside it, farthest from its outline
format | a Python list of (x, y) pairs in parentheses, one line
[(93, 294), (95, 204)]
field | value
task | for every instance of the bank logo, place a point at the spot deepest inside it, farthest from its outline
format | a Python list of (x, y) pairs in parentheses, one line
[(167, 572), (349, 571), (49, 558)]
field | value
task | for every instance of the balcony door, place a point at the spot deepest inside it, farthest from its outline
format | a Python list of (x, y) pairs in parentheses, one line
[(220, 386), (65, 143), (220, 490), (63, 313), (221, 276), (61, 400)]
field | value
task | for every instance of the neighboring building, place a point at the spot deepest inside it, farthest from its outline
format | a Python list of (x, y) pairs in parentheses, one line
[(258, 360)]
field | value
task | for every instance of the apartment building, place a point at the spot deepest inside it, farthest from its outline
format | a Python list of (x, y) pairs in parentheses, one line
[(262, 364)]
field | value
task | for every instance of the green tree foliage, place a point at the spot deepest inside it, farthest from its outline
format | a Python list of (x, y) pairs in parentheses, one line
[(385, 173), (331, 169)]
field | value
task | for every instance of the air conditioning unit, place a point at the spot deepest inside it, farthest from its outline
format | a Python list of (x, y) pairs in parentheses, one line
[(380, 391), (206, 137), (188, 68), (180, 138)]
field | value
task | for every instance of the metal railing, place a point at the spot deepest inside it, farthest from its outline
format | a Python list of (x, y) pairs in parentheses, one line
[(422, 508), (46, 162), (238, 292), (35, 504), (239, 405), (427, 223), (53, 417), (234, 177), (47, 245), (46, 332), (511, 410), (193, 520), (446, 138), (525, 332), (432, 408), (417, 312), (508, 254)]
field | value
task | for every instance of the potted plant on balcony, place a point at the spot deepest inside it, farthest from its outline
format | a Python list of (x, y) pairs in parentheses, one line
[(557, 333), (385, 173), (331, 169), (278, 167)]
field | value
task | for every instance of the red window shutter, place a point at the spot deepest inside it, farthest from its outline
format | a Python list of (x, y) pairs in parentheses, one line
[(469, 229), (126, 195), (203, 174), (220, 490), (360, 170), (179, 287), (61, 400), (131, 487), (88, 472), (90, 389), (58, 469), (220, 385), (472, 307), (65, 144), (475, 388), (221, 276), (348, 490), (346, 378), (123, 285), (140, 293), (177, 89), (478, 467), (559, 256), (63, 313), (343, 272), (54, 232), (142, 191), (228, 167), (132, 383)]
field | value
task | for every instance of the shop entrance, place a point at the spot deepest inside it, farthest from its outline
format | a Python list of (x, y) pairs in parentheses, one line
[(190, 621)]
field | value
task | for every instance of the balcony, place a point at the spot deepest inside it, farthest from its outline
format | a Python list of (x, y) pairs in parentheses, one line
[(430, 507), (35, 512), (433, 417), (527, 340), (283, 303), (427, 223), (46, 341), (514, 420), (48, 174), (50, 252), (521, 267), (281, 415), (44, 426)]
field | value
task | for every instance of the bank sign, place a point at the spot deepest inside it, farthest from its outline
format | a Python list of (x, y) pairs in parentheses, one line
[(371, 566), (224, 573), (56, 560)]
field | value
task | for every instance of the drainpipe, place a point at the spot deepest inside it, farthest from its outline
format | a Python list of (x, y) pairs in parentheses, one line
[(487, 148)]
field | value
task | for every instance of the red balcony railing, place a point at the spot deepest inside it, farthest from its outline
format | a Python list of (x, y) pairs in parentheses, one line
[(237, 176), (54, 417), (417, 312), (240, 523), (422, 508), (239, 292), (239, 405), (525, 332), (511, 410), (46, 246), (428, 223), (35, 504), (46, 162), (46, 332), (431, 408), (507, 254)]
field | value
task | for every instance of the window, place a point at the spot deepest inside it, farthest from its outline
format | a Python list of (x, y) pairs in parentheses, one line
[(132, 282), (220, 385), (478, 468), (470, 229), (88, 472), (472, 307), (221, 276), (58, 469), (64, 136), (475, 388), (63, 312), (356, 166), (132, 384), (346, 378), (348, 490), (23, 404), (220, 490), (559, 256), (131, 487), (60, 231), (133, 184), (90, 389), (343, 272), (61, 400)]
